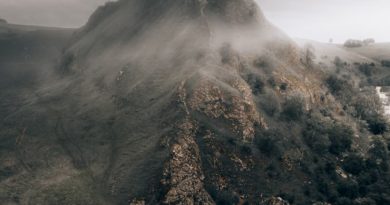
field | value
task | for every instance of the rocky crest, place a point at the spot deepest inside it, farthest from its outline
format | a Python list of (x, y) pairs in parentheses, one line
[(183, 175)]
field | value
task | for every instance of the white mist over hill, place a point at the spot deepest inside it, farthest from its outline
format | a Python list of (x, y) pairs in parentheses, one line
[(317, 20), (337, 19)]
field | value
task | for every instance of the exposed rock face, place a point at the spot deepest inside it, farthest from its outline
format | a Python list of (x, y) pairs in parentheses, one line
[(209, 99), (183, 175), (276, 201), (137, 202)]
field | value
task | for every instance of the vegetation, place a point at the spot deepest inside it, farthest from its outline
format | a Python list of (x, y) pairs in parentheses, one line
[(353, 43), (385, 63), (293, 108), (367, 69)]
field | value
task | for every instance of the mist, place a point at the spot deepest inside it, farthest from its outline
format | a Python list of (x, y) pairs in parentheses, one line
[(323, 20), (307, 19)]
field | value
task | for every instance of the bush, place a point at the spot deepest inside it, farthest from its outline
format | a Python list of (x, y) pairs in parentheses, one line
[(267, 142), (367, 105), (315, 134), (293, 108), (348, 189), (385, 63), (256, 83), (340, 137), (270, 104), (338, 62), (367, 69), (354, 164), (377, 124), (338, 86), (283, 86), (343, 201), (378, 150), (227, 198)]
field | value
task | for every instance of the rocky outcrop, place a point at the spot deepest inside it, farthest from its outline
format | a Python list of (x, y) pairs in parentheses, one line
[(137, 202), (183, 174), (209, 99), (276, 201)]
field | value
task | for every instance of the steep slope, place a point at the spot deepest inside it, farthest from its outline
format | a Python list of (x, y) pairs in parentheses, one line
[(182, 102), (156, 65)]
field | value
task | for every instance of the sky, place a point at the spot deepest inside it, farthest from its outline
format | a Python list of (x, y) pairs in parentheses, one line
[(317, 20)]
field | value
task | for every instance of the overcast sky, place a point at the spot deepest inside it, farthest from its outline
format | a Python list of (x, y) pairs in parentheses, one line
[(311, 19)]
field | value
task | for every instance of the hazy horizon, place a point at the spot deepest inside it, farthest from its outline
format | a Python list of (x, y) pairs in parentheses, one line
[(306, 19)]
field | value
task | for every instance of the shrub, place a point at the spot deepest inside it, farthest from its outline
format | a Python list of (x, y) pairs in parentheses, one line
[(272, 82), (367, 105), (246, 150), (338, 85), (267, 145), (377, 124), (378, 150), (338, 62), (343, 201), (367, 69), (293, 108), (348, 189), (315, 134), (340, 137), (267, 142), (385, 63), (227, 198), (256, 83), (270, 104), (283, 86), (354, 164)]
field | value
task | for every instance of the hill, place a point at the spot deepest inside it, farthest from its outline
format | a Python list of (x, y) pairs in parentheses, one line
[(193, 102)]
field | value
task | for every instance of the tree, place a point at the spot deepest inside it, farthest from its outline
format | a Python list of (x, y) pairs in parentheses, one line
[(353, 43), (368, 41), (3, 21)]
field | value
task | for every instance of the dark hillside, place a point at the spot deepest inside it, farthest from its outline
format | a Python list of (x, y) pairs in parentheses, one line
[(190, 102)]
